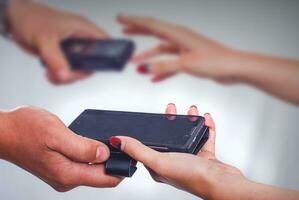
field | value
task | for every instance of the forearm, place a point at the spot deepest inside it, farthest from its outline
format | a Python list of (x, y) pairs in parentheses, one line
[(235, 189), (277, 76)]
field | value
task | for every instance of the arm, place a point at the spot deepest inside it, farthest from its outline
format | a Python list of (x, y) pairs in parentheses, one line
[(277, 76), (202, 175), (232, 188), (40, 143), (39, 29), (200, 56)]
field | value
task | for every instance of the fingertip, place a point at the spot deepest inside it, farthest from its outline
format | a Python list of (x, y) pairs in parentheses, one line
[(208, 116), (120, 17), (144, 68), (102, 154), (171, 104), (116, 143), (209, 121), (137, 59), (193, 110), (171, 109)]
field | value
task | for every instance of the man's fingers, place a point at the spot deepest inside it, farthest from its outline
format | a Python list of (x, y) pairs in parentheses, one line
[(58, 69), (54, 59), (52, 55), (155, 51), (210, 144), (94, 176), (80, 149), (94, 32)]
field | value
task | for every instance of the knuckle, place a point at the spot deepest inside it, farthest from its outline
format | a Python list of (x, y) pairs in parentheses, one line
[(114, 184), (22, 109), (63, 180), (61, 189)]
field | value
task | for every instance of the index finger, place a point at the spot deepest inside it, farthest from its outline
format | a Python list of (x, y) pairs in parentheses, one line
[(139, 152), (179, 35)]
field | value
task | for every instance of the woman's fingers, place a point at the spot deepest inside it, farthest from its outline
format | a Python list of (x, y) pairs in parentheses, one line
[(193, 111), (129, 30), (171, 109), (210, 144), (178, 35), (155, 51), (139, 152), (161, 69)]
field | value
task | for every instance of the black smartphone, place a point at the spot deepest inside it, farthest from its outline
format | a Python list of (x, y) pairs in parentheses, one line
[(97, 55), (162, 132)]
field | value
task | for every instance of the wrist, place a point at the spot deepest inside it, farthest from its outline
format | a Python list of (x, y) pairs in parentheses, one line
[(13, 9), (245, 65), (5, 136), (3, 124), (221, 65), (230, 186)]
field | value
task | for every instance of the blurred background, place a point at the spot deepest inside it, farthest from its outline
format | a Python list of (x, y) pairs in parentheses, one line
[(256, 133)]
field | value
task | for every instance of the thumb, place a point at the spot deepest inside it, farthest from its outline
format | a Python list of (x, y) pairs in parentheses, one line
[(165, 68), (161, 69), (139, 152), (54, 59), (81, 149)]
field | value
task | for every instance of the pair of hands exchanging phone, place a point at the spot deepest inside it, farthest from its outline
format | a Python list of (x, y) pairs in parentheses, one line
[(63, 155)]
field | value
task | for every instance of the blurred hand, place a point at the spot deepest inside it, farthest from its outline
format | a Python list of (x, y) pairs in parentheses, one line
[(40, 143), (196, 174), (40, 29), (196, 54)]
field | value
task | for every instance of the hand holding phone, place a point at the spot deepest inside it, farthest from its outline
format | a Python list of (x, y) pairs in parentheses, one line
[(97, 55)]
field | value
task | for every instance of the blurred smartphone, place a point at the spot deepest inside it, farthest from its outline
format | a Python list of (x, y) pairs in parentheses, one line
[(97, 55), (165, 133)]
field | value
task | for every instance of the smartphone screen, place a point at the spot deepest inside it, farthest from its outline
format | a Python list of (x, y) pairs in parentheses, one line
[(150, 129)]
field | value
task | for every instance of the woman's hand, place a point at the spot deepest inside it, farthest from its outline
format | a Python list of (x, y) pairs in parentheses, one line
[(196, 54), (39, 30), (196, 174), (40, 143), (203, 57)]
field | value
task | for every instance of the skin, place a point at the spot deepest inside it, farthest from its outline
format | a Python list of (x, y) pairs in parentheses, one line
[(200, 56), (39, 29), (40, 143), (204, 175)]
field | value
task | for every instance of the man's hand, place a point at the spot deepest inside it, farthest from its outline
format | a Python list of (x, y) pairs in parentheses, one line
[(40, 143), (39, 30)]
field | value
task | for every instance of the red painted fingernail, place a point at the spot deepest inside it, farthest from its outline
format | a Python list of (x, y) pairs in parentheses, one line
[(144, 68), (115, 142)]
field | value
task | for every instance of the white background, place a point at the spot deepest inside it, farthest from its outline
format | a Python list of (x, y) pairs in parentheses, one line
[(256, 133)]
